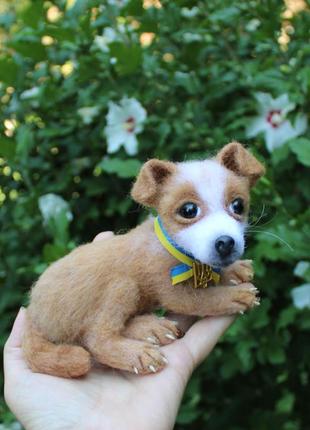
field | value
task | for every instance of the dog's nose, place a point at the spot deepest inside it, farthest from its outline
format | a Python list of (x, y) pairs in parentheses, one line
[(224, 245)]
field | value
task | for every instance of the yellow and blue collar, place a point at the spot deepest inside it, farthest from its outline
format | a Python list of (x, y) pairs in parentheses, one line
[(202, 273)]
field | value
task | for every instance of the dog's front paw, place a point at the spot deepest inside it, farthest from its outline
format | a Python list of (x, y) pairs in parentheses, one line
[(244, 296), (237, 273)]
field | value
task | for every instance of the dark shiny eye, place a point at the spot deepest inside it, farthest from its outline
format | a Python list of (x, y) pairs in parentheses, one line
[(189, 210), (237, 206)]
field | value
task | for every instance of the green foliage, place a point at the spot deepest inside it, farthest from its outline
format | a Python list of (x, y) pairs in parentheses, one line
[(196, 80)]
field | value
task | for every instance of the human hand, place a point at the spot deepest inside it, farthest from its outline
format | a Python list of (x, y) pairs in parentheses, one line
[(105, 398)]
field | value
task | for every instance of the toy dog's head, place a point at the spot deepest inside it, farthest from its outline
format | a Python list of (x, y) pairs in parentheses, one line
[(203, 204)]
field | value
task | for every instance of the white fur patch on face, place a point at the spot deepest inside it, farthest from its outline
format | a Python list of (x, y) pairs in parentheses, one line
[(209, 179)]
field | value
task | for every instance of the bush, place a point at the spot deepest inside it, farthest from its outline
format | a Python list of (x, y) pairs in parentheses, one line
[(202, 74)]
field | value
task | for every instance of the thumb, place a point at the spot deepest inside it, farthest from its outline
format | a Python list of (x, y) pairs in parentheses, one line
[(12, 352), (201, 338)]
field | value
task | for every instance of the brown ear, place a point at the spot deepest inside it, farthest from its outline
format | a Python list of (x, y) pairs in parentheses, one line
[(240, 161), (147, 188)]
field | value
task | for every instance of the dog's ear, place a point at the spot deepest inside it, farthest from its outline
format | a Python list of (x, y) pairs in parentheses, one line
[(240, 161), (152, 176)]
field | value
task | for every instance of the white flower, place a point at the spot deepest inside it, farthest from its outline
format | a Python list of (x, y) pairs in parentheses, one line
[(109, 35), (189, 13), (51, 205), (88, 113), (273, 122), (301, 296), (124, 121), (252, 25), (31, 93)]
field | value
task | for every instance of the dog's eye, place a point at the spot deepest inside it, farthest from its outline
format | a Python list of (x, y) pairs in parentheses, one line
[(189, 210), (237, 206)]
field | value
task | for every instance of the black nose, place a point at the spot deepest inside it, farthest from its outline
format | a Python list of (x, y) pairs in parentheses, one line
[(224, 245)]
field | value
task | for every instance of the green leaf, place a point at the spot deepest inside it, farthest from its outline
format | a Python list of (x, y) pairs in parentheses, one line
[(33, 14), (7, 148), (29, 49), (301, 148), (7, 19), (52, 252), (188, 81), (286, 403), (226, 14), (129, 57), (287, 317), (25, 141), (275, 352), (279, 155), (122, 168), (8, 71)]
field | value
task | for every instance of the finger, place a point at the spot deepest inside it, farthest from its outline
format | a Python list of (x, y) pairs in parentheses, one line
[(184, 322), (104, 235), (12, 353), (15, 338), (203, 335)]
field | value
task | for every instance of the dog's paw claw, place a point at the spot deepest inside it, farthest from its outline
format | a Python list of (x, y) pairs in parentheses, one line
[(164, 359), (239, 272), (152, 340), (170, 336), (233, 282)]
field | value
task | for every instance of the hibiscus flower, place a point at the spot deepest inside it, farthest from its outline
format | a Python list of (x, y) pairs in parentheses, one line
[(273, 122), (124, 121)]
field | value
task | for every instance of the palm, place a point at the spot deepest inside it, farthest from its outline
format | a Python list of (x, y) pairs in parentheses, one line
[(107, 399)]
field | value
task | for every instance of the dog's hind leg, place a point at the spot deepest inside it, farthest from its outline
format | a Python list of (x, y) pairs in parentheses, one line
[(43, 356), (105, 338)]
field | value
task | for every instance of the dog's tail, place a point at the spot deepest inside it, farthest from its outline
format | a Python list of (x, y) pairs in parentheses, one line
[(43, 356)]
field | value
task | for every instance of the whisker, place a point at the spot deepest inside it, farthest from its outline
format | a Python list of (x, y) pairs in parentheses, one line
[(260, 216), (273, 235)]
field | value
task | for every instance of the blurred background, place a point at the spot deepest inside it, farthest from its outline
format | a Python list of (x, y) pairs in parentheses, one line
[(91, 89)]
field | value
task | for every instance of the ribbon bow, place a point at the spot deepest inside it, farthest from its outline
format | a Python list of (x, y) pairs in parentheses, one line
[(203, 274)]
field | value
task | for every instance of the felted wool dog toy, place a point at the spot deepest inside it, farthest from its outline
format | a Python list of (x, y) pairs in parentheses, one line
[(97, 302)]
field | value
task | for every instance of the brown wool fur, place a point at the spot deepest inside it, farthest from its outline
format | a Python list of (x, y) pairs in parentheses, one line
[(97, 302)]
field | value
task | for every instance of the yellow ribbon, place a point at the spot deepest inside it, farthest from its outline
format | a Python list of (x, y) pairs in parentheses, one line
[(202, 273)]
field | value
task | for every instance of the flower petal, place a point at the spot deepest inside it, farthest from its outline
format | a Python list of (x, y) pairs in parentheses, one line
[(115, 114), (134, 109), (115, 138), (264, 100), (301, 296), (276, 137), (301, 124), (131, 144), (258, 125), (282, 103)]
